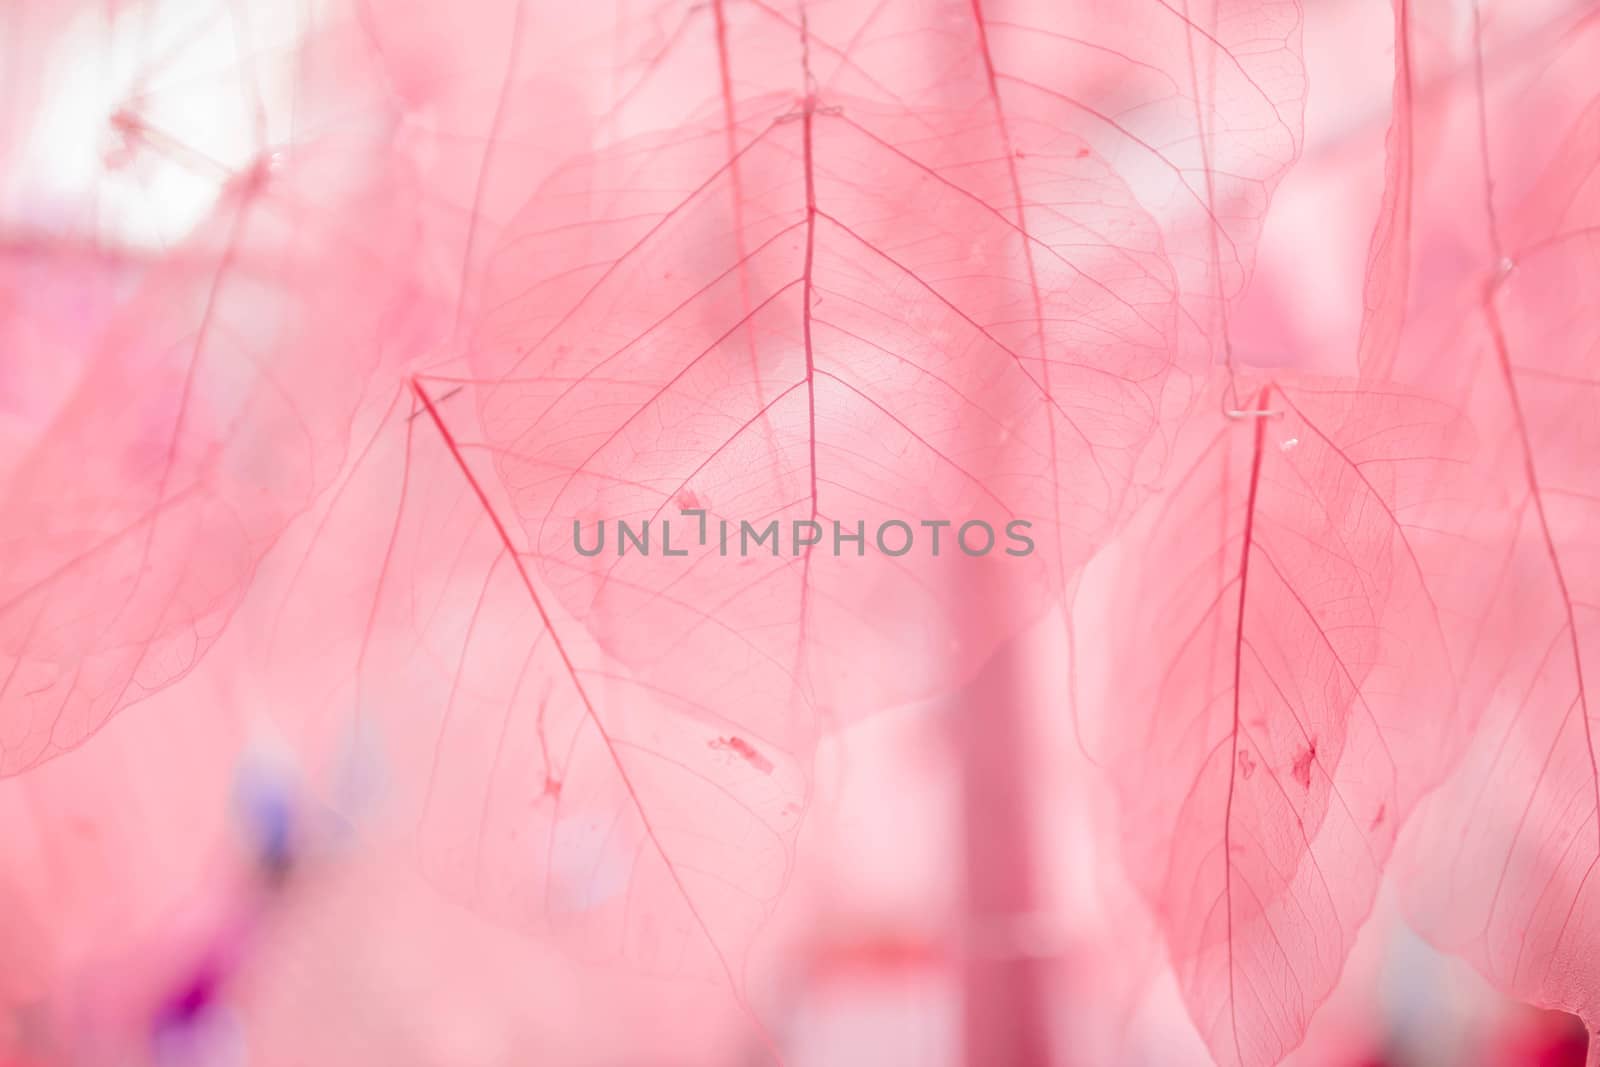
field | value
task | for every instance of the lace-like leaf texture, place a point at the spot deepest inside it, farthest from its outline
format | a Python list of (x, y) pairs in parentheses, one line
[(1501, 866), (1283, 694), (911, 262), (938, 285), (216, 380)]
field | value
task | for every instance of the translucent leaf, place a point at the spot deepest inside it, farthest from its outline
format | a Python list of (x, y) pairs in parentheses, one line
[(1281, 694), (207, 411)]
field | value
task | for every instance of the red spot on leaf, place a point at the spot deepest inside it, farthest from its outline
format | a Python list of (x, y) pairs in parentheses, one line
[(742, 748), (1301, 768)]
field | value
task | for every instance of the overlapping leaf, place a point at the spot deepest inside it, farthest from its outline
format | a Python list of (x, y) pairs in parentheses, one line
[(208, 412), (870, 349), (1282, 696), (1433, 243), (1196, 107), (547, 788), (1502, 867)]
